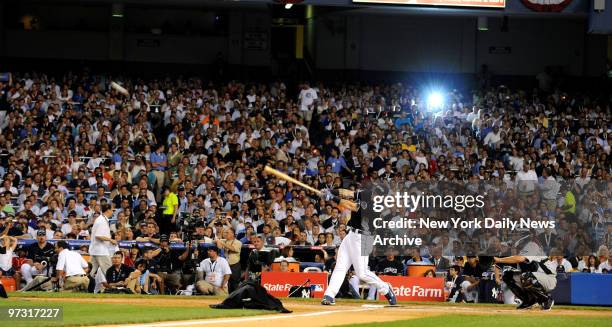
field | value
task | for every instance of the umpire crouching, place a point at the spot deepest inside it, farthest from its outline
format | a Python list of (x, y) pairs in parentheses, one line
[(70, 269)]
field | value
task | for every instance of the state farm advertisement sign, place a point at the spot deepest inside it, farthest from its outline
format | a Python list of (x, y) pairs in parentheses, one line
[(279, 283), (416, 288)]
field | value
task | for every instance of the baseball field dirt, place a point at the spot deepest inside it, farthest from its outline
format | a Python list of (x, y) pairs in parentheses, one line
[(308, 312)]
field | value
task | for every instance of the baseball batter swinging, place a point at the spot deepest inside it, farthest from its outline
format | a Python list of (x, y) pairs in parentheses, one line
[(350, 252)]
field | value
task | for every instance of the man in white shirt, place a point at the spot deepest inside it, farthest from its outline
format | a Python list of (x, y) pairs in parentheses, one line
[(71, 269), (560, 264), (549, 188), (526, 180), (7, 247), (493, 138), (606, 265), (216, 273), (307, 97), (102, 246)]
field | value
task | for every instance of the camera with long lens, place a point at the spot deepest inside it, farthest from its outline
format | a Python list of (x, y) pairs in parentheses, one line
[(189, 224)]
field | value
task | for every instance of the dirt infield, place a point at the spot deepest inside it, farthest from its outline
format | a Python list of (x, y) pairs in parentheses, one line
[(311, 314)]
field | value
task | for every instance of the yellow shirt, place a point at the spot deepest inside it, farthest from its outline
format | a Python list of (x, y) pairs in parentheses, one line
[(570, 201), (169, 202)]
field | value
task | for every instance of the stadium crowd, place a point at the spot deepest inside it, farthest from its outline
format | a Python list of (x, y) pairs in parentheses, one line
[(180, 162)]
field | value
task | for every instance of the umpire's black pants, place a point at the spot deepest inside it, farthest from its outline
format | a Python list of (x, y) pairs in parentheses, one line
[(235, 278)]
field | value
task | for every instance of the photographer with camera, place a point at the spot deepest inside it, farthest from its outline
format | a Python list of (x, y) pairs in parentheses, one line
[(38, 270), (38, 253), (259, 259), (170, 263), (231, 248), (215, 274), (201, 234)]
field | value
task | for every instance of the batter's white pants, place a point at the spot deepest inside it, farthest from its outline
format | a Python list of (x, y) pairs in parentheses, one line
[(349, 253)]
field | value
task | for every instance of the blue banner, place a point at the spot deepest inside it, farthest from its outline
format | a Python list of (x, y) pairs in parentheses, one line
[(591, 289)]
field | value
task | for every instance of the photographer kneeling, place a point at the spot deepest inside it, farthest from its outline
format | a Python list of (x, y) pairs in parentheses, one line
[(70, 269), (216, 273)]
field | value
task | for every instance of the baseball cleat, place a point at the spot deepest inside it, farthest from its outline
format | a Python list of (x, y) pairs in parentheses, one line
[(328, 300), (525, 305), (391, 296), (548, 304)]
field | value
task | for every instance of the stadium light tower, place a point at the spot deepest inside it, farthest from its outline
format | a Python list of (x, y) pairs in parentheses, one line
[(435, 101)]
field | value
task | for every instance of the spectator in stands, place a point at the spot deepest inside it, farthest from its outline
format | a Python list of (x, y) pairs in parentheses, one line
[(8, 244), (455, 282), (150, 234), (159, 163), (388, 266), (154, 281), (168, 220), (441, 263), (132, 257), (286, 255), (602, 253), (561, 264), (589, 264), (139, 280), (414, 259), (284, 266), (471, 273), (606, 266), (216, 273)]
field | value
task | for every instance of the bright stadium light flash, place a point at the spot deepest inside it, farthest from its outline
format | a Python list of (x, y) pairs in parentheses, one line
[(435, 101), (288, 6)]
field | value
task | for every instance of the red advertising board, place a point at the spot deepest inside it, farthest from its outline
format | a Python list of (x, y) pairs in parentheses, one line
[(416, 288), (279, 283), (459, 3)]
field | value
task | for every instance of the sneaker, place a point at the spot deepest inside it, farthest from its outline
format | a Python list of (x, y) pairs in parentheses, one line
[(328, 300), (548, 304), (391, 296), (525, 305)]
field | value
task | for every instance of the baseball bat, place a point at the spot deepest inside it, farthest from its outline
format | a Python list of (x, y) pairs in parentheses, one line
[(303, 284), (290, 179), (344, 203), (120, 89)]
